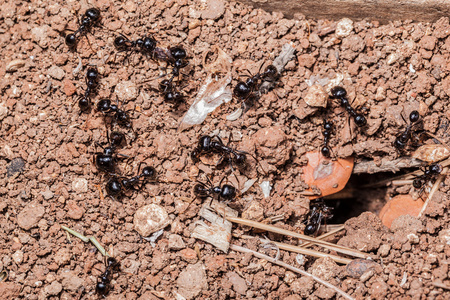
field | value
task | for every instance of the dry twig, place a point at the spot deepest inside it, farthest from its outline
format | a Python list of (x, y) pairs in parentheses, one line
[(292, 268)]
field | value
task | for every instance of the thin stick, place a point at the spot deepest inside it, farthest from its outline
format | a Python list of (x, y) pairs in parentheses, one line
[(292, 268), (304, 251), (85, 239), (401, 182), (325, 235), (433, 190), (331, 246)]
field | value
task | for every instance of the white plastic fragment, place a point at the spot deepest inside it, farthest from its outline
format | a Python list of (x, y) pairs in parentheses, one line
[(404, 279), (78, 68), (218, 233), (235, 114), (248, 184), (411, 68), (266, 188), (213, 93)]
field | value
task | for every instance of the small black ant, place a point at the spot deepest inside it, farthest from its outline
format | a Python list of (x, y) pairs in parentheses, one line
[(319, 211), (402, 139), (147, 44), (103, 282), (90, 18), (106, 161), (248, 91), (91, 82), (226, 191), (120, 116), (340, 93), (428, 174), (326, 151), (116, 185), (170, 92), (207, 144)]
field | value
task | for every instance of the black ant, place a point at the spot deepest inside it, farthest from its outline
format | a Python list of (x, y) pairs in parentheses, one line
[(120, 116), (402, 139), (103, 282), (203, 190), (175, 57), (340, 93), (248, 91), (207, 144), (106, 161), (91, 82), (325, 150), (116, 185), (428, 174), (170, 92), (319, 211), (145, 45), (90, 18)]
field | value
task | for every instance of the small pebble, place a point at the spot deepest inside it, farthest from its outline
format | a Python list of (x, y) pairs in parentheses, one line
[(344, 27), (3, 110), (53, 289), (30, 215), (56, 72), (192, 281), (358, 267), (15, 166), (126, 91), (176, 242), (80, 185), (18, 257), (316, 96), (150, 218)]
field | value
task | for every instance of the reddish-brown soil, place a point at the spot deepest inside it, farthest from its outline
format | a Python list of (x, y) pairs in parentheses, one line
[(46, 149)]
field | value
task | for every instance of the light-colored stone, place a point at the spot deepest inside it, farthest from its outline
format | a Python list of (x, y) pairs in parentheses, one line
[(176, 242), (344, 27), (192, 281), (14, 65), (150, 218), (316, 96), (30, 215), (80, 185), (126, 91), (18, 257)]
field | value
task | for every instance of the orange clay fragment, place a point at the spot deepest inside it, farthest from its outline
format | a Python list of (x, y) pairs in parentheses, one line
[(398, 206), (329, 176)]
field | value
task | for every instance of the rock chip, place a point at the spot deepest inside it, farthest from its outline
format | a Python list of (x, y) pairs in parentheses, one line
[(273, 145), (192, 280), (56, 72), (18, 257), (30, 215), (176, 242), (62, 256), (316, 96), (80, 185), (255, 211), (53, 289), (358, 267), (126, 91), (74, 211), (324, 268), (150, 218), (344, 27), (71, 282), (239, 284), (15, 166), (3, 110), (9, 290)]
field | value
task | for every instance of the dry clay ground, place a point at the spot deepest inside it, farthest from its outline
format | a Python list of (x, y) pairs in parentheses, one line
[(48, 179)]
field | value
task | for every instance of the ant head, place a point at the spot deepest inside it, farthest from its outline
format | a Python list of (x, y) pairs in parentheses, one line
[(120, 42), (414, 116), (271, 73), (113, 186), (84, 104), (111, 262), (104, 105), (204, 143), (173, 96), (71, 40), (241, 90), (360, 120), (239, 159), (228, 192), (435, 168), (178, 53), (417, 183), (201, 191), (338, 92), (93, 14), (149, 44), (165, 85), (149, 172), (92, 73)]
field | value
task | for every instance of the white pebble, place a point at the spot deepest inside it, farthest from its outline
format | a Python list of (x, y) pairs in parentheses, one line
[(344, 27)]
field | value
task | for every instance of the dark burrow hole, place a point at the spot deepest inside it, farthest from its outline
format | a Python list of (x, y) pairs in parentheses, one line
[(357, 198)]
